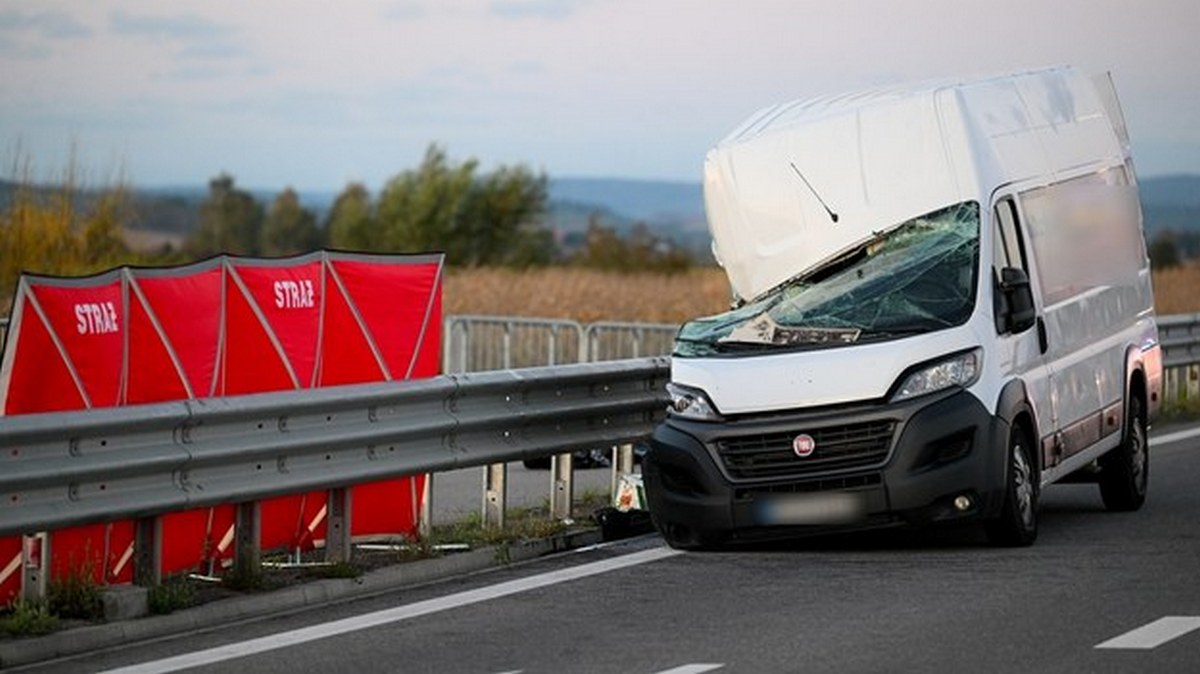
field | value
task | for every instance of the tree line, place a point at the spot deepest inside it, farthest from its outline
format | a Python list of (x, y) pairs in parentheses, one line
[(477, 218)]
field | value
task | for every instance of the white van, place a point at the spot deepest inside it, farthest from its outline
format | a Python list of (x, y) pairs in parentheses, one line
[(945, 305)]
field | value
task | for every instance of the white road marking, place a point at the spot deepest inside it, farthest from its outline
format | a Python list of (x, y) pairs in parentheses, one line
[(392, 615), (692, 669), (1155, 634), (1167, 439)]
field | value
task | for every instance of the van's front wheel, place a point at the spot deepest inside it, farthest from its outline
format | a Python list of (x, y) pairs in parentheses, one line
[(1017, 524), (1125, 471)]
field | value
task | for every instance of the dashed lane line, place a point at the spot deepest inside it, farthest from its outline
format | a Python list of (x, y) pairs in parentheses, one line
[(698, 668), (392, 615), (1155, 634)]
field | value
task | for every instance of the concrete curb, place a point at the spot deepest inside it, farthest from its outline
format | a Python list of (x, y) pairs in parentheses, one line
[(96, 637)]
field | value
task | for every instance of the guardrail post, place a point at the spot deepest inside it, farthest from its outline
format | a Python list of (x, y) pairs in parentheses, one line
[(35, 557), (622, 464), (147, 547), (562, 493), (337, 526), (495, 494), (247, 558), (425, 523)]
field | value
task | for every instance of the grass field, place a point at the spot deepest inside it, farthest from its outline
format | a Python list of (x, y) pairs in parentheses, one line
[(587, 295), (1177, 290)]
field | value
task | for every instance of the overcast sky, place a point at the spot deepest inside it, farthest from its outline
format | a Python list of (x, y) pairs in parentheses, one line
[(315, 94)]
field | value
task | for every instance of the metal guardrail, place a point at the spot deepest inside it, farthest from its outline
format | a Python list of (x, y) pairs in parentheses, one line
[(65, 469), (1180, 339)]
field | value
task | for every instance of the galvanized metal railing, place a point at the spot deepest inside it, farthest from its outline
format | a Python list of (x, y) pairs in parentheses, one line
[(66, 469), (1180, 339)]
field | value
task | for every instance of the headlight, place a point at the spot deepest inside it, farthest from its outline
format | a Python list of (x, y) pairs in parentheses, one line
[(959, 370), (690, 403)]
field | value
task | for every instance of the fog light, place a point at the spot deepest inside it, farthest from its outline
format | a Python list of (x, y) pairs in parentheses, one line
[(962, 503)]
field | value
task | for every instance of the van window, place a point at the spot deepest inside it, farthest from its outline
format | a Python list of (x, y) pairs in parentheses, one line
[(1084, 233), (1010, 248), (916, 277)]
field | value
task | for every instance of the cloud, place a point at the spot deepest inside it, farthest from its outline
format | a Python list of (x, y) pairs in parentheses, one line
[(178, 27), (46, 24), (405, 10), (196, 39), (535, 9)]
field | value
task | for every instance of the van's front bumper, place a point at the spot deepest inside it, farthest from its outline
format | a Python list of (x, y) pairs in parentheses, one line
[(882, 464)]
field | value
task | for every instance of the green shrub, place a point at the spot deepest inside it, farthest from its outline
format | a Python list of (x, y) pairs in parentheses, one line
[(172, 595), (27, 619)]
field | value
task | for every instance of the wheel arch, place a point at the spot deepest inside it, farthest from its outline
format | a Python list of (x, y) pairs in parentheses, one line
[(1013, 409), (1136, 384)]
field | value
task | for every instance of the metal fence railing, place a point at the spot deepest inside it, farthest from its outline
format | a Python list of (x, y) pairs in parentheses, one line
[(614, 341), (1180, 339), (480, 343)]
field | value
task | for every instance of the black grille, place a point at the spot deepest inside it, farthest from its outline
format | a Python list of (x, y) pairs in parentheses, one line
[(837, 447)]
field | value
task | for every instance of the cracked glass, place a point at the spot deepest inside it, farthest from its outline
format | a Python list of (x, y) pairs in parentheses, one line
[(917, 277)]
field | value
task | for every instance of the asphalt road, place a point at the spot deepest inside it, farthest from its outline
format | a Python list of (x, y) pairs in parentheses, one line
[(894, 601)]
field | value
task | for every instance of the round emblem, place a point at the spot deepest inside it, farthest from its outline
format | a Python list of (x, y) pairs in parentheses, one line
[(804, 445)]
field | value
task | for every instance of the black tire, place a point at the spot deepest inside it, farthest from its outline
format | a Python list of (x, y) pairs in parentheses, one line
[(1017, 525), (681, 537), (1125, 471)]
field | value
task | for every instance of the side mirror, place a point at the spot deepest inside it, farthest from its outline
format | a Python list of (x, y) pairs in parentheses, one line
[(1014, 284)]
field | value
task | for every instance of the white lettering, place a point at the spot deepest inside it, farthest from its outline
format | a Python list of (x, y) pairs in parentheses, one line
[(295, 295), (93, 318)]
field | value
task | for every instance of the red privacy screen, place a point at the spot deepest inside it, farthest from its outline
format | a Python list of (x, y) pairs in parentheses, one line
[(225, 326)]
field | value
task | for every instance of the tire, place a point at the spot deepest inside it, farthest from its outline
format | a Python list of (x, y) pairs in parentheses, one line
[(1017, 525), (1125, 471), (684, 538)]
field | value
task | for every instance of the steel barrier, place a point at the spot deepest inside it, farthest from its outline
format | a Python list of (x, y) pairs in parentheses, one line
[(71, 468), (1180, 339)]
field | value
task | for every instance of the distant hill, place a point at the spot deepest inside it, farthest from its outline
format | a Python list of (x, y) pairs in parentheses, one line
[(671, 209), (648, 200), (1171, 190)]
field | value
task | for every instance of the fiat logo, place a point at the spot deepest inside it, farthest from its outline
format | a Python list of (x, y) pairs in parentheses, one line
[(804, 445)]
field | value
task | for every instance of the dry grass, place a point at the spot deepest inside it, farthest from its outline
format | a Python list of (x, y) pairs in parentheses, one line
[(1177, 290), (587, 295)]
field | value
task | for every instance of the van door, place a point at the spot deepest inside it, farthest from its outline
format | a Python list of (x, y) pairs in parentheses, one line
[(1021, 353), (1087, 257)]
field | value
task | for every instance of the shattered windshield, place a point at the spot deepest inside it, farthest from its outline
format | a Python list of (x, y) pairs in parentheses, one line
[(914, 278)]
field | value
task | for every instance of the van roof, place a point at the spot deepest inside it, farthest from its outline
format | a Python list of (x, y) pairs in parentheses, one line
[(802, 182)]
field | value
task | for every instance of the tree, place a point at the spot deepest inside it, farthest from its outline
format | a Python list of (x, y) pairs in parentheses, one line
[(230, 220), (350, 224), (289, 228), (60, 230), (639, 251), (1164, 250), (103, 238), (501, 224), (490, 219)]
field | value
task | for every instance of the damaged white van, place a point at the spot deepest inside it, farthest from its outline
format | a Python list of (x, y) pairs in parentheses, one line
[(945, 304)]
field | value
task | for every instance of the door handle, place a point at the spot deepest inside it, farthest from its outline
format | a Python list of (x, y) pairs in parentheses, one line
[(1043, 340)]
